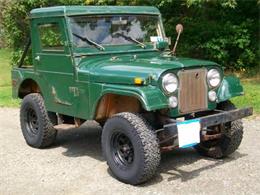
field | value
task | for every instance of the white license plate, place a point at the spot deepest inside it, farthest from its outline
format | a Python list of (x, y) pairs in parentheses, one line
[(188, 133)]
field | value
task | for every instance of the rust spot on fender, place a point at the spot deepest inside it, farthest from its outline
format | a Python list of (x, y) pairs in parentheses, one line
[(111, 104)]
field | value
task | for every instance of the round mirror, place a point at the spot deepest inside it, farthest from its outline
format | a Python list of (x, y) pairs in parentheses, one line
[(179, 28)]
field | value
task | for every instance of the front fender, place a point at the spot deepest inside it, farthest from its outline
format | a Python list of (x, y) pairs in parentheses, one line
[(230, 87), (150, 97)]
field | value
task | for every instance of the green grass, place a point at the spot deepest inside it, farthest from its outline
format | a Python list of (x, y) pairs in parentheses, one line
[(251, 97), (5, 80), (251, 87)]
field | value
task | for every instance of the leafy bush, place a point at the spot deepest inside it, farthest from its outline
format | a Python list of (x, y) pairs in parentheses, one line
[(217, 32), (225, 31), (16, 24)]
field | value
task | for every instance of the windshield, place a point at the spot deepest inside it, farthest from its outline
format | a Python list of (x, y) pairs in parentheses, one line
[(114, 30)]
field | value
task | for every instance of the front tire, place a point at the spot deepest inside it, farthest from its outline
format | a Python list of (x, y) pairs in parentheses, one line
[(131, 148), (37, 128), (230, 140)]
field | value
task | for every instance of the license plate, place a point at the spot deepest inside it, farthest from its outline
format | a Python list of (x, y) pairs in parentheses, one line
[(188, 133)]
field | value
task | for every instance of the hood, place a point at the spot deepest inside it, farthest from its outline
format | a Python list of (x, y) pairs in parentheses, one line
[(124, 68)]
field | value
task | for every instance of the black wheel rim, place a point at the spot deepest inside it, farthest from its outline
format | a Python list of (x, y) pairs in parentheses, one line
[(32, 121), (122, 150)]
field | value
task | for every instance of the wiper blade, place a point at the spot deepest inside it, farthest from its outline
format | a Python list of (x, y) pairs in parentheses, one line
[(86, 39), (131, 39)]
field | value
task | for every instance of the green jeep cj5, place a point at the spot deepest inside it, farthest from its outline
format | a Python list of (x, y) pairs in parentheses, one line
[(113, 65)]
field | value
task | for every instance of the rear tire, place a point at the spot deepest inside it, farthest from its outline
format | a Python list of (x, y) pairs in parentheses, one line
[(131, 148), (232, 135), (37, 128)]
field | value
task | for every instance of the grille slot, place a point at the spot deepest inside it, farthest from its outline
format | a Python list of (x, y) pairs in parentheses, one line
[(193, 90)]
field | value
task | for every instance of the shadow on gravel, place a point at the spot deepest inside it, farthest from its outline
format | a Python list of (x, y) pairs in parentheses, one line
[(173, 164), (83, 141), (86, 141)]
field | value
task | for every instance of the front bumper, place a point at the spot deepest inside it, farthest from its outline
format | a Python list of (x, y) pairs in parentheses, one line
[(218, 118)]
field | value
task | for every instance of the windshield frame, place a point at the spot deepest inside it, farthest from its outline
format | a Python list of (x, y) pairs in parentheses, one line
[(111, 47)]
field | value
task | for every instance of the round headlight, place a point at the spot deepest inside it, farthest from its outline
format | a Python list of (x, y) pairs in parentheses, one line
[(213, 77), (173, 102), (170, 83), (212, 96)]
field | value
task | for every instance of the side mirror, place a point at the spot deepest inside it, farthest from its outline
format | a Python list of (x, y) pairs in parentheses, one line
[(179, 29)]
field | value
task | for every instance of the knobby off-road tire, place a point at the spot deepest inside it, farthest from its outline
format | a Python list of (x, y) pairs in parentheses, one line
[(131, 148), (53, 118), (37, 128), (231, 137)]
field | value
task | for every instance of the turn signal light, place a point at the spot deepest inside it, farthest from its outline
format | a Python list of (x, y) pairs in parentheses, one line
[(138, 81)]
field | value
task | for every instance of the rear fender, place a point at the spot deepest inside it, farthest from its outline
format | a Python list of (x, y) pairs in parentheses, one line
[(17, 79)]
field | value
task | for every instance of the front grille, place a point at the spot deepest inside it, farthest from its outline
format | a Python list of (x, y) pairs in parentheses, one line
[(193, 90)]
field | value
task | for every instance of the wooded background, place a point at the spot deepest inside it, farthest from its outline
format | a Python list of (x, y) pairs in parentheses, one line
[(225, 31)]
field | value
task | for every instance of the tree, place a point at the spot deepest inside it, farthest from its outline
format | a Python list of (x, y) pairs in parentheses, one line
[(225, 31), (15, 22), (3, 4)]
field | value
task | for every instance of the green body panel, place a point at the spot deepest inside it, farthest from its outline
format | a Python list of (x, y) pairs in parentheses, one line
[(123, 68), (74, 80), (230, 87)]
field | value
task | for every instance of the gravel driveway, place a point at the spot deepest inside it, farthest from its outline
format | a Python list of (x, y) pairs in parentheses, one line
[(75, 165)]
